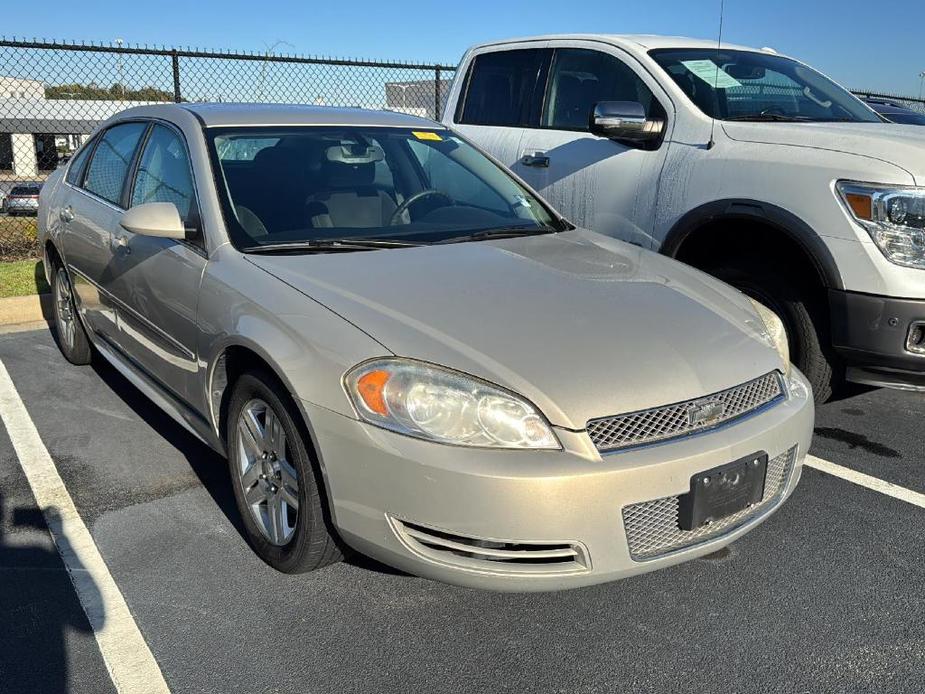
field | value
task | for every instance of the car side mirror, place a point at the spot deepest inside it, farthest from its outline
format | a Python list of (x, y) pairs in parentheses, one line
[(625, 120), (161, 219)]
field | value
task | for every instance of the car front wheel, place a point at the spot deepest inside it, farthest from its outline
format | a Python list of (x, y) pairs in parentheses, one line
[(274, 478)]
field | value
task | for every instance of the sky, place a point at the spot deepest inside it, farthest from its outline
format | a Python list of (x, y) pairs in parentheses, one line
[(863, 45)]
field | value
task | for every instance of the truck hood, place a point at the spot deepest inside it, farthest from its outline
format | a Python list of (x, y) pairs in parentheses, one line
[(582, 325), (901, 145)]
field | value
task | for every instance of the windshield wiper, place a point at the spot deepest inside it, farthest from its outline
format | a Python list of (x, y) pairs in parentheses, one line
[(499, 233), (771, 117), (329, 246)]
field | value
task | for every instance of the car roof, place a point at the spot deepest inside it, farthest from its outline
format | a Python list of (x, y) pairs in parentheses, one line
[(632, 42), (246, 114)]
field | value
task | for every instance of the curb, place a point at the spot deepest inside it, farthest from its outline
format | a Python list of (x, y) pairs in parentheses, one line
[(25, 309)]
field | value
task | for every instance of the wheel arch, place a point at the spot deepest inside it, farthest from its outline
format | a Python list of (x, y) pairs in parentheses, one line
[(713, 214), (239, 356)]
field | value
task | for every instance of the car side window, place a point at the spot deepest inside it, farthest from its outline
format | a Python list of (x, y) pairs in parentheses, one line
[(501, 88), (76, 167), (164, 174), (111, 160), (580, 78)]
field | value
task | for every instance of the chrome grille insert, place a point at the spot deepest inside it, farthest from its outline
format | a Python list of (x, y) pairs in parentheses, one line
[(683, 418), (493, 555), (652, 526)]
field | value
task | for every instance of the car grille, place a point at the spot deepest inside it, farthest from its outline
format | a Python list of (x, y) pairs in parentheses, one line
[(670, 421), (652, 528)]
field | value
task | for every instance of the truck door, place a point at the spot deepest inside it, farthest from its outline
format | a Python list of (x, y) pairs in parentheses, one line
[(596, 182)]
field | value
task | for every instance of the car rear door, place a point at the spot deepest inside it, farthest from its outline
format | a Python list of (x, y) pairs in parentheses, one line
[(501, 94), (90, 209), (156, 280), (596, 182)]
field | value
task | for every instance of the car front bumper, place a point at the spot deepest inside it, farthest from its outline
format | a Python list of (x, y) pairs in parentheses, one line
[(390, 494), (869, 332)]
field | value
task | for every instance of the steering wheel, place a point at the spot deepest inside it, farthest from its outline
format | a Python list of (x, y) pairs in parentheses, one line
[(420, 195)]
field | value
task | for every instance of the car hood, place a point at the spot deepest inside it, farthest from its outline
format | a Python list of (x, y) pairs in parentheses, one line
[(582, 325), (901, 145)]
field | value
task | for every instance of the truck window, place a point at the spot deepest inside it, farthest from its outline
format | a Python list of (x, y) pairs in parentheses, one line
[(501, 88), (581, 78)]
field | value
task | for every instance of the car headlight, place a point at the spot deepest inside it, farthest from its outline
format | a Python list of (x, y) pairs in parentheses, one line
[(437, 404), (774, 327), (894, 216)]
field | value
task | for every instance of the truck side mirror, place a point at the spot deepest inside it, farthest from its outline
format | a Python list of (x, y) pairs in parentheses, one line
[(625, 120)]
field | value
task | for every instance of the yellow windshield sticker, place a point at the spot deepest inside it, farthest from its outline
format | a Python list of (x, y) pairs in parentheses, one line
[(426, 135)]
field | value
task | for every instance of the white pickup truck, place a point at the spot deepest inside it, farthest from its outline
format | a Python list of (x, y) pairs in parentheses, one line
[(749, 165)]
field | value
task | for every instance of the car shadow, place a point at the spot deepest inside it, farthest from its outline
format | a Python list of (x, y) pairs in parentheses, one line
[(209, 466), (38, 605)]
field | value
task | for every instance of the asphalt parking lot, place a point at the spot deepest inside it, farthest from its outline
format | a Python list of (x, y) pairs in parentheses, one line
[(824, 597)]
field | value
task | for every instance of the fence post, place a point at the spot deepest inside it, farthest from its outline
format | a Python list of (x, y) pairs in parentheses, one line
[(437, 93), (175, 60)]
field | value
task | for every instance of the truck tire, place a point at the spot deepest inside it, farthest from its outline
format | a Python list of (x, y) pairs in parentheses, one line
[(801, 307)]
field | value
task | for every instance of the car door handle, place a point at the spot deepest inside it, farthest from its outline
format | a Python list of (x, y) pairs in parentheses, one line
[(537, 159), (66, 214)]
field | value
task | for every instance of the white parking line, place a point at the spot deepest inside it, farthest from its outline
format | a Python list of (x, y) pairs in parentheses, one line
[(129, 660), (859, 478)]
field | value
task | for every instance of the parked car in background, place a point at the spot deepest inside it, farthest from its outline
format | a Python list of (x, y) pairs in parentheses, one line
[(398, 344), (895, 112), (23, 200), (742, 162)]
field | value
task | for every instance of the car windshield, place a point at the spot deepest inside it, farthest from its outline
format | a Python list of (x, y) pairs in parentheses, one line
[(25, 190), (318, 184), (746, 85)]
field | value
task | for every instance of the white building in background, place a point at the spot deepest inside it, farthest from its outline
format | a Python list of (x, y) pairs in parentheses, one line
[(35, 132), (15, 88)]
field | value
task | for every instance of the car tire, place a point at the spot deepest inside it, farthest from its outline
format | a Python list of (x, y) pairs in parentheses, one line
[(267, 515), (69, 330), (803, 313)]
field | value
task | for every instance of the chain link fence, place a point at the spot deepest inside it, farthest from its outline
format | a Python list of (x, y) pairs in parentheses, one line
[(53, 95), (912, 103)]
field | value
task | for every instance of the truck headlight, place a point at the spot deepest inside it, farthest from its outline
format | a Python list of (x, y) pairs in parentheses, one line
[(894, 216), (777, 334), (430, 402)]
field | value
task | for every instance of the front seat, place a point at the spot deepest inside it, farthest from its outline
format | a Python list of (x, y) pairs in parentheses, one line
[(277, 197), (349, 198)]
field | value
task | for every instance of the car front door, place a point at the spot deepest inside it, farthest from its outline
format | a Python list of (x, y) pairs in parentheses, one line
[(598, 183), (90, 210), (156, 280), (500, 95)]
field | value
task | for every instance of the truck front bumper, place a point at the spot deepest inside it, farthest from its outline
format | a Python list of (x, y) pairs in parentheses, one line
[(871, 335)]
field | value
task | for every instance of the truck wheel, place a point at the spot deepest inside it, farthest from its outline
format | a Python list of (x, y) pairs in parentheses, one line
[(804, 317), (274, 478)]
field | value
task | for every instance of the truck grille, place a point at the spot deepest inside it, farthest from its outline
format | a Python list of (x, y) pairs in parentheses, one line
[(679, 419), (652, 528)]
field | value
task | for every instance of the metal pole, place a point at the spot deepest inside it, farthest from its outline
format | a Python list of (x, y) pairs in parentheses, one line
[(175, 60), (437, 93)]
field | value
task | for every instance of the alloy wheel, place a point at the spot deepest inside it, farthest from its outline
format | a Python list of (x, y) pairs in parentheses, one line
[(65, 319), (268, 479)]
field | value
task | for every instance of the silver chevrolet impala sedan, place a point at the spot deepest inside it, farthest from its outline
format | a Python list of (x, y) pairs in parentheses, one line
[(402, 349)]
